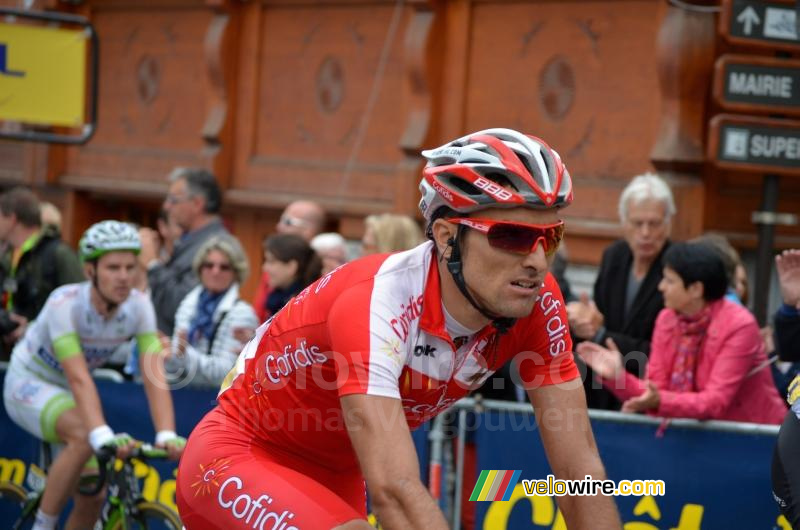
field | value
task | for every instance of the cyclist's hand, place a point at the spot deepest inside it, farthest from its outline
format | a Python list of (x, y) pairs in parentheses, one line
[(123, 444), (103, 437), (173, 443)]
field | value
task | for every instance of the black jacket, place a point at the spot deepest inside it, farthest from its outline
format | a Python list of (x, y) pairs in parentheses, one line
[(787, 336), (49, 264), (631, 333)]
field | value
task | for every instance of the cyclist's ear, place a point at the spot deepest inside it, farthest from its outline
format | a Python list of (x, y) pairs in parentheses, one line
[(444, 235), (89, 270)]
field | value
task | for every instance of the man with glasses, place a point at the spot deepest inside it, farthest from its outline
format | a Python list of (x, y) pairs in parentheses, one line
[(193, 203), (626, 296), (324, 397), (303, 218)]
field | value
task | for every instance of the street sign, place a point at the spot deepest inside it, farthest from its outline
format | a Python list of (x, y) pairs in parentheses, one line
[(757, 84), (760, 145), (770, 24), (47, 61)]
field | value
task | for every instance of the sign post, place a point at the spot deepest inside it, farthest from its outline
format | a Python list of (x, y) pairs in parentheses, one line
[(761, 145), (44, 73), (765, 146), (766, 24), (749, 84)]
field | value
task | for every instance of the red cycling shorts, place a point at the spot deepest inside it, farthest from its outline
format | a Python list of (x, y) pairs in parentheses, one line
[(225, 480)]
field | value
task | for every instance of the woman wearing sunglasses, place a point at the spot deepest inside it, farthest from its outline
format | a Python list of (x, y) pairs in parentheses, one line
[(322, 400), (212, 323)]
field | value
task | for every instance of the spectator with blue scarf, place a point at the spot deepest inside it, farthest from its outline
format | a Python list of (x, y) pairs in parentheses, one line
[(212, 323)]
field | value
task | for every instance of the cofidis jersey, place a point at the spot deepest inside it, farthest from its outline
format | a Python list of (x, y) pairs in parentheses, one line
[(376, 326)]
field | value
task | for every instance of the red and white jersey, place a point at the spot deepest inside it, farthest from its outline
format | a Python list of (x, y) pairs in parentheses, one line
[(376, 326)]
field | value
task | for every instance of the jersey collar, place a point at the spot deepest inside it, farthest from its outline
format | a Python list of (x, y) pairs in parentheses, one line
[(432, 320)]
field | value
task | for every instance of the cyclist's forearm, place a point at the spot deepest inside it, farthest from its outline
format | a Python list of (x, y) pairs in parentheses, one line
[(407, 506), (597, 511), (87, 400), (158, 394)]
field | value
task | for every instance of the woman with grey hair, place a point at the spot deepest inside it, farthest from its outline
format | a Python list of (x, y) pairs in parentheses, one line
[(212, 323)]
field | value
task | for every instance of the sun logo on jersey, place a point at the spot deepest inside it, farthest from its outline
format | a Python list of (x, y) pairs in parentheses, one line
[(209, 476), (392, 348)]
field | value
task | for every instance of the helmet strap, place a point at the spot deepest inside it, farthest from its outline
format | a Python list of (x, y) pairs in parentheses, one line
[(456, 267)]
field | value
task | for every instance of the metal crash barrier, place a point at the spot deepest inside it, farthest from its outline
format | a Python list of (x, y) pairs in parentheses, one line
[(716, 474)]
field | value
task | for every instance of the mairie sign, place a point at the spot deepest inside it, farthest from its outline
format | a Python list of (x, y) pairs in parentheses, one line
[(760, 145), (42, 75), (747, 83), (771, 24)]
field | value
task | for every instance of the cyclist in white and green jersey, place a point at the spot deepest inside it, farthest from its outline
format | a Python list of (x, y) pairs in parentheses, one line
[(49, 390)]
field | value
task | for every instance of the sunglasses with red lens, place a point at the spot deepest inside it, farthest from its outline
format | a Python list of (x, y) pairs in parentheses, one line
[(519, 238)]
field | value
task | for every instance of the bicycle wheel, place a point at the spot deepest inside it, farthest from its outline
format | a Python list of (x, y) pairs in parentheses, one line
[(150, 516), (15, 511)]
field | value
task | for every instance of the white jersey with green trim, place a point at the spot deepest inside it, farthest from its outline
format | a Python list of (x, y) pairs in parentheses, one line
[(69, 324)]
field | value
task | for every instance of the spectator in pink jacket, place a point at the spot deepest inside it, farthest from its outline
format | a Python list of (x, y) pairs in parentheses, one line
[(707, 358)]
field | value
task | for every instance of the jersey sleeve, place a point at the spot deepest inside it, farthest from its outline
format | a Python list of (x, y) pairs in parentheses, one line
[(369, 356), (61, 328), (146, 334), (544, 343)]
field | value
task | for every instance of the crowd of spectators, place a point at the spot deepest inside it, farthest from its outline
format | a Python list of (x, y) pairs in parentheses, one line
[(665, 332), (191, 267)]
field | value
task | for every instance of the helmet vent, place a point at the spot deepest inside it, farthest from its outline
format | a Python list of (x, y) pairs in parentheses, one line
[(464, 186)]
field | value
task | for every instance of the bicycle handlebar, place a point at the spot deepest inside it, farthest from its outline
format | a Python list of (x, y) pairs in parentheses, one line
[(107, 454)]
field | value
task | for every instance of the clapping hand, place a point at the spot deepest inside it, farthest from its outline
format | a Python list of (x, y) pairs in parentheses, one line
[(584, 317), (649, 400), (788, 265), (606, 362)]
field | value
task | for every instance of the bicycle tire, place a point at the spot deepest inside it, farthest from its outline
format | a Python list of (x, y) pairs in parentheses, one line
[(12, 503), (150, 516)]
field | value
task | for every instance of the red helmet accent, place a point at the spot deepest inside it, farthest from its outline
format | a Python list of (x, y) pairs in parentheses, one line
[(495, 168)]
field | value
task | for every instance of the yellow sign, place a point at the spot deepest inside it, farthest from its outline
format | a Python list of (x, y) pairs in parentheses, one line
[(42, 75)]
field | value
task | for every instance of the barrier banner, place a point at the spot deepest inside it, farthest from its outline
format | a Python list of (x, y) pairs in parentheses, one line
[(712, 478), (42, 75), (126, 410)]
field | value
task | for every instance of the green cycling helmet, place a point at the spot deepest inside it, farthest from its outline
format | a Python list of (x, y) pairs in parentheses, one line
[(108, 236)]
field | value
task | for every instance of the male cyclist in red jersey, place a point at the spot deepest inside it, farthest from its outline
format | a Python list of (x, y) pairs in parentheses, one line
[(323, 399)]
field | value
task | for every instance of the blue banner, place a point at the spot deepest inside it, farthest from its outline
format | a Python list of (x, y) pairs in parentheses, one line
[(713, 478), (126, 410)]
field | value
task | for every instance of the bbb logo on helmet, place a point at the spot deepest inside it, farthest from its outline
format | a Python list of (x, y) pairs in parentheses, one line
[(493, 189)]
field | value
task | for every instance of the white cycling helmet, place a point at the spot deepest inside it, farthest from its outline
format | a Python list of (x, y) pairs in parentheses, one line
[(460, 175), (108, 236)]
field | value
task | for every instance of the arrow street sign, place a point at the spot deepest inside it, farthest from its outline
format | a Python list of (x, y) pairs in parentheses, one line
[(768, 23), (760, 145), (749, 83)]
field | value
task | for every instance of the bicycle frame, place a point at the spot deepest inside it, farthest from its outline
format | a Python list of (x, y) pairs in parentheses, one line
[(124, 503), (124, 493)]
